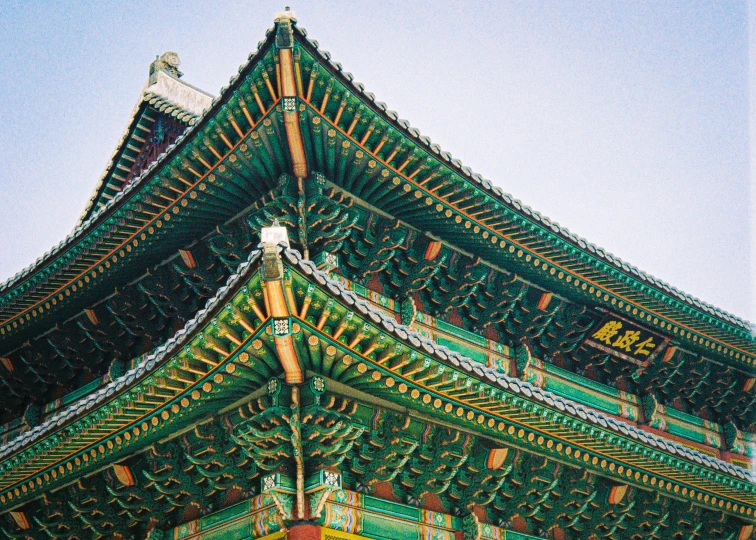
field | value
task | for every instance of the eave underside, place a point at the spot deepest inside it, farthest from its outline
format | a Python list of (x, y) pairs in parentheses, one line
[(384, 254), (372, 415)]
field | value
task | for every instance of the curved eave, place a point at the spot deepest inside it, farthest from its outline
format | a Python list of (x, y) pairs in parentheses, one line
[(115, 393), (524, 414), (682, 304), (64, 437), (486, 374), (714, 328), (17, 294)]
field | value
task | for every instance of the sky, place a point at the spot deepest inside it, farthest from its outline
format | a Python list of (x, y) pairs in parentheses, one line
[(625, 122)]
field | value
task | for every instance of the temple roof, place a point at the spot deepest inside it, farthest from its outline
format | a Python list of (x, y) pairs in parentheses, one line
[(172, 278), (515, 203)]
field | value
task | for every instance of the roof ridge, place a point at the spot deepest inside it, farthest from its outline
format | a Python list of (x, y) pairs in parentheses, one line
[(152, 88), (508, 199), (182, 81)]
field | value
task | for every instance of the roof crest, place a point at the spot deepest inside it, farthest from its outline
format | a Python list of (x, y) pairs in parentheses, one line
[(537, 218)]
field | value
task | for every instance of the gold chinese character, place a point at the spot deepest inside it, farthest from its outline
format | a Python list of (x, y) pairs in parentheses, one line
[(644, 346), (625, 341), (607, 332)]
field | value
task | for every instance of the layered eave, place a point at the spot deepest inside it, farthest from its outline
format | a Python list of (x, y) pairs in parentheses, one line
[(625, 286), (241, 342)]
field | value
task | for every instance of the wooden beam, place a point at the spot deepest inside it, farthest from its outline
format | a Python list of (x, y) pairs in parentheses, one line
[(291, 117), (617, 493), (7, 363), (275, 299), (669, 353), (21, 520), (92, 316), (123, 473), (545, 300), (188, 258), (496, 458), (433, 249)]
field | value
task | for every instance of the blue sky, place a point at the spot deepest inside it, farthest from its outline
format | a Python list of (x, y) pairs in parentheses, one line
[(626, 122)]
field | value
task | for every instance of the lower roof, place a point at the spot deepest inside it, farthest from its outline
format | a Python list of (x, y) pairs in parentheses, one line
[(531, 412)]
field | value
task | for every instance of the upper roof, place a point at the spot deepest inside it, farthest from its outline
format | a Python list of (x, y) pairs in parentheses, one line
[(701, 325), (542, 226)]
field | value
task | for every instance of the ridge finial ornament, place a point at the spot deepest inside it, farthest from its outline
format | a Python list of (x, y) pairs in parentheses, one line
[(284, 34), (274, 235), (169, 62), (286, 14)]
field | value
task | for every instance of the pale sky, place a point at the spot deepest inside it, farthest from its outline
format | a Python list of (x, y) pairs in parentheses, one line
[(626, 122)]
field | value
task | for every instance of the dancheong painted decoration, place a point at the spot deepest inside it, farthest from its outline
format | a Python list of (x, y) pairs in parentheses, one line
[(286, 313)]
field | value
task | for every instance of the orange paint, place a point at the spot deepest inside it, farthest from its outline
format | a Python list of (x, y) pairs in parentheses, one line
[(669, 353), (545, 300), (92, 316), (123, 473), (21, 520), (7, 363), (188, 258), (432, 251), (275, 297), (291, 119), (617, 494), (496, 458)]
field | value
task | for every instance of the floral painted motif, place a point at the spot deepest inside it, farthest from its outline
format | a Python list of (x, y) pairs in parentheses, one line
[(342, 518)]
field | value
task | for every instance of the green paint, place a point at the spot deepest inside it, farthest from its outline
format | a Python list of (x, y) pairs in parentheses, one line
[(391, 508), (224, 515), (81, 392), (381, 527), (461, 333), (462, 348)]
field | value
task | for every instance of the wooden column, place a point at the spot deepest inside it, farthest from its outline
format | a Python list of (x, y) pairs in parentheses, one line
[(304, 531)]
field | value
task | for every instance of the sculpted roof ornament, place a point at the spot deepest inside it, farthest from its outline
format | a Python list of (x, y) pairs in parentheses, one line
[(169, 62), (274, 235), (284, 33)]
